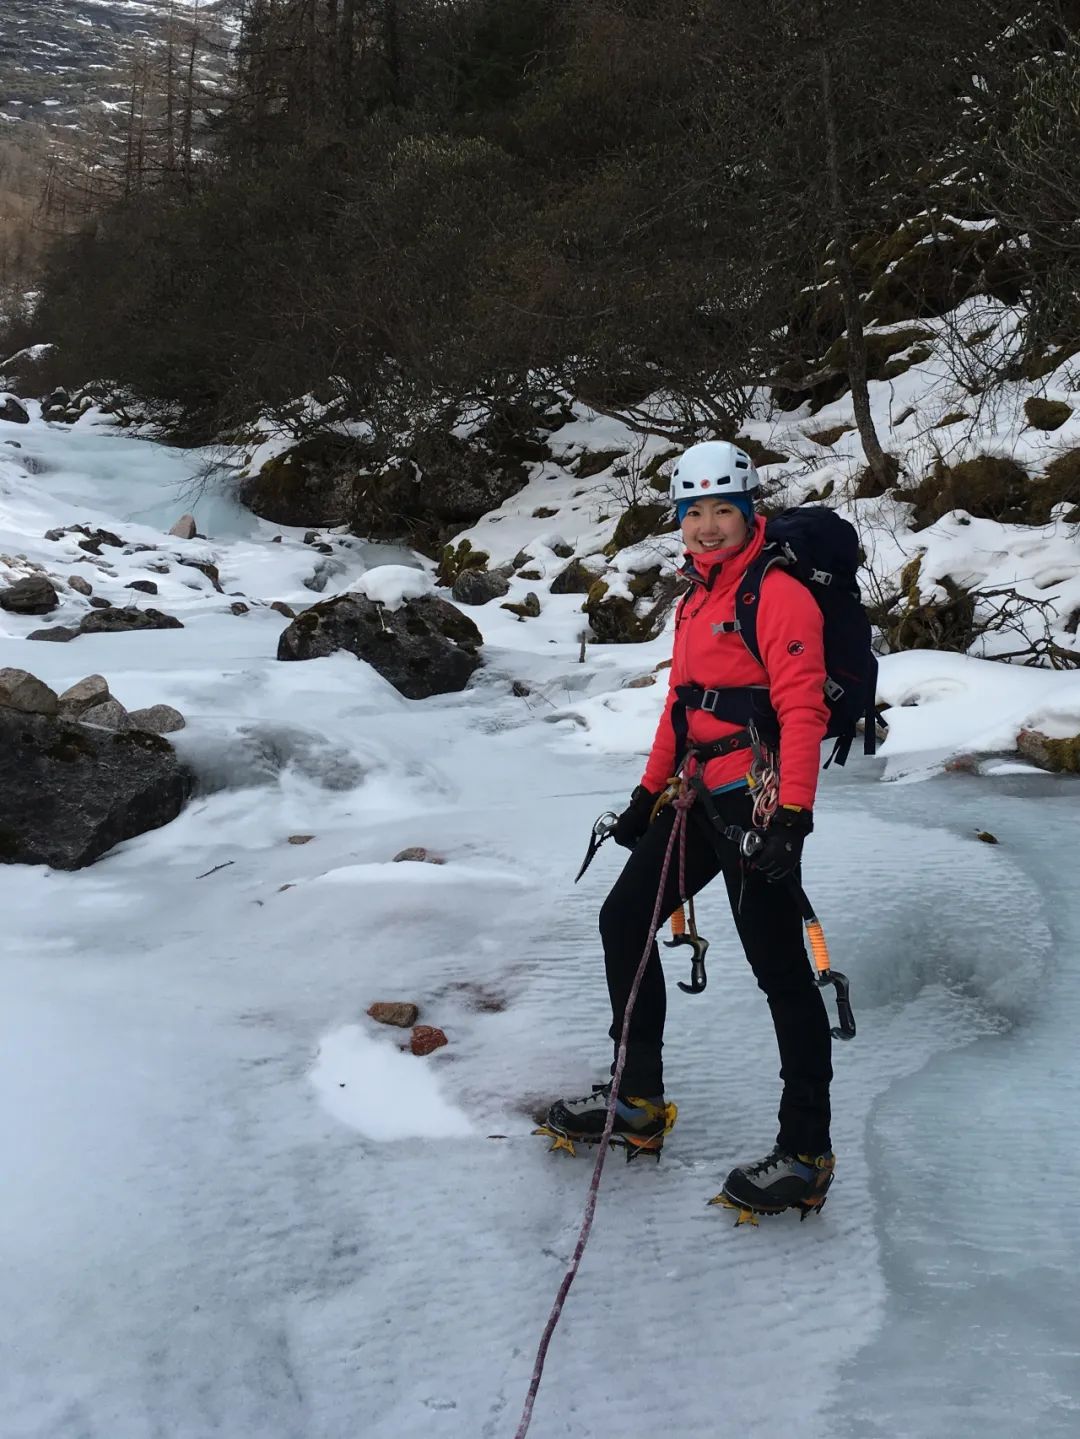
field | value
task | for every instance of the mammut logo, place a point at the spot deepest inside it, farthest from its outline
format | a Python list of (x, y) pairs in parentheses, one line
[(749, 597), (796, 647)]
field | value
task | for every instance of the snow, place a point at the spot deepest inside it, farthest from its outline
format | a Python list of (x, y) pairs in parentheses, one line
[(233, 1205), (392, 585)]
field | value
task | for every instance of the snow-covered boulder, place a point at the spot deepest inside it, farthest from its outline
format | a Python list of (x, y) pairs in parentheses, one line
[(423, 647), (69, 792), (12, 411)]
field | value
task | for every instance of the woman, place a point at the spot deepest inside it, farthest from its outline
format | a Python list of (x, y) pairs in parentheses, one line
[(713, 488)]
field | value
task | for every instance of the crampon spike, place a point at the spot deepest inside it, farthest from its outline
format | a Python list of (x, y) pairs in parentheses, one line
[(558, 1141), (744, 1215)]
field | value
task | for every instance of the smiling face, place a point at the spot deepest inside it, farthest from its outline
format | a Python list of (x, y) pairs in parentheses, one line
[(711, 525)]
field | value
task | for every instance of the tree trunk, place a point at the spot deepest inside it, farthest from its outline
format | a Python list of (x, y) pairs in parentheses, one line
[(393, 48), (882, 466)]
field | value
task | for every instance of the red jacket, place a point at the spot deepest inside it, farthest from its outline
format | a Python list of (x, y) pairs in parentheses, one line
[(789, 632)]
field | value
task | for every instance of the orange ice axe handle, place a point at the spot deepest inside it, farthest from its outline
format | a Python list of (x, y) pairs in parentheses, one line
[(824, 972), (698, 978), (750, 842)]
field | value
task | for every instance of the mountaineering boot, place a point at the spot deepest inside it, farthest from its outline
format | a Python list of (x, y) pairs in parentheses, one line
[(779, 1181), (640, 1124)]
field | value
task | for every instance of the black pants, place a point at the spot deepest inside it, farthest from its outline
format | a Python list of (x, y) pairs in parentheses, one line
[(770, 928)]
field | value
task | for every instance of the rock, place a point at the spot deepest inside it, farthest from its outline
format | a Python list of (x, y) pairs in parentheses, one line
[(97, 537), (476, 587), (311, 537), (301, 838), (283, 609), (614, 618), (425, 1038), (80, 586), (110, 714), (34, 595), (416, 854), (99, 602), (561, 550), (427, 647), (323, 548), (12, 411), (962, 764), (401, 1014), (145, 587), (239, 608), (575, 579), (311, 484), (986, 837), (93, 690), (159, 567), (640, 682), (442, 484), (20, 690), (112, 621), (1061, 756), (520, 689), (205, 568), (1045, 414), (185, 528), (532, 573), (69, 792), (528, 609), (24, 372), (158, 719), (58, 634), (92, 547)]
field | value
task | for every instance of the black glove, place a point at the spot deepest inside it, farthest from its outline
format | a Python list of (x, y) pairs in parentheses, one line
[(634, 820), (781, 849)]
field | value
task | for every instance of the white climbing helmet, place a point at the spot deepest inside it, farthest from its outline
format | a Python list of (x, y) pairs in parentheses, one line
[(713, 469)]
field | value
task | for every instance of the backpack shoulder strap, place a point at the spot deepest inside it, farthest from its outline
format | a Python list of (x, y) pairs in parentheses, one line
[(748, 597)]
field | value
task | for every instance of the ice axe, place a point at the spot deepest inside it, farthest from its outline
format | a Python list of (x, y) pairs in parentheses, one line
[(603, 827), (749, 842)]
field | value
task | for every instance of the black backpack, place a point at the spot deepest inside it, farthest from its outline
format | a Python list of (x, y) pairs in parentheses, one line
[(821, 549)]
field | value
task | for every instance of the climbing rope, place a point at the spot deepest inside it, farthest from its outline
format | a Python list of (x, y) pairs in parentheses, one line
[(682, 803)]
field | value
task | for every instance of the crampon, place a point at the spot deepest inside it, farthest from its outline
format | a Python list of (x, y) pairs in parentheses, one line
[(658, 1121), (798, 1182)]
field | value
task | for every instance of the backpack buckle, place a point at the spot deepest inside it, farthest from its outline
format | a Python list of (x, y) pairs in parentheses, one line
[(833, 691), (709, 701), (821, 577)]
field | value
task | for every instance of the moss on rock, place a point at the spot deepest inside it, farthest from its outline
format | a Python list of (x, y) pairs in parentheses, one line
[(828, 437), (1046, 414), (759, 453), (637, 523), (1059, 486), (1060, 756), (459, 557), (594, 462), (990, 487)]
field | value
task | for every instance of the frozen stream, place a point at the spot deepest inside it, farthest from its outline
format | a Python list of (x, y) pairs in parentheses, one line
[(233, 1207)]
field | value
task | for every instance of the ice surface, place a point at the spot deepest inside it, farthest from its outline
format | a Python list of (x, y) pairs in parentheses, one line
[(234, 1206)]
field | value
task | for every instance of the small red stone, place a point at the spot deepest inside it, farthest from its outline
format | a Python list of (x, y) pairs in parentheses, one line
[(425, 1038)]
